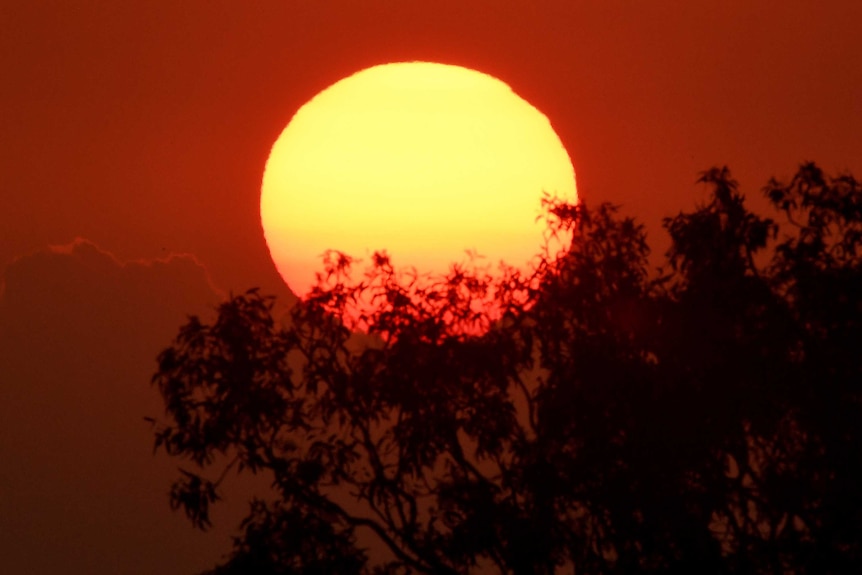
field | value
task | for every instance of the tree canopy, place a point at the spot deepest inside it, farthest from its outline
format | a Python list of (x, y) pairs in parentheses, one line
[(702, 417)]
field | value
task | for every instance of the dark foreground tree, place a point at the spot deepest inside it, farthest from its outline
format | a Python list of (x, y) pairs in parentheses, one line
[(704, 418)]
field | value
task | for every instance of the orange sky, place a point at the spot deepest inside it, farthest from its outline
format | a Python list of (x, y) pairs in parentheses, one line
[(144, 127)]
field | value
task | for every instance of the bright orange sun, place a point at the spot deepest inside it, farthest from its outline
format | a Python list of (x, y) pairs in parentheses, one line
[(422, 160)]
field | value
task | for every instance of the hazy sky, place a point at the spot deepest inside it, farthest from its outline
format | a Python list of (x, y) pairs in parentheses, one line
[(143, 128)]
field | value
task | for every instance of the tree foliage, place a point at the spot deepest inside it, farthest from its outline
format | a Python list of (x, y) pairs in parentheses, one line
[(700, 418)]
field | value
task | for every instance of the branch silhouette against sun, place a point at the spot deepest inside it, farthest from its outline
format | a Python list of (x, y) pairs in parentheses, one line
[(703, 417)]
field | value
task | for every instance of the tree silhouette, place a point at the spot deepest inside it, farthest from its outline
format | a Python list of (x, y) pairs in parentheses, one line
[(700, 418)]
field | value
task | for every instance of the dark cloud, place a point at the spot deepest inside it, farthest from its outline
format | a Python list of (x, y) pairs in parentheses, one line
[(80, 490)]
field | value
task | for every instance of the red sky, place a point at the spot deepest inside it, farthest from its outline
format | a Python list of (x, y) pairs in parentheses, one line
[(144, 127)]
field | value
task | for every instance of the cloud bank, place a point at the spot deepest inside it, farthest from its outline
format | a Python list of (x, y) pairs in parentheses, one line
[(80, 490)]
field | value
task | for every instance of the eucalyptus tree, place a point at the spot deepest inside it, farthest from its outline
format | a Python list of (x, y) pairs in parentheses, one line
[(597, 416)]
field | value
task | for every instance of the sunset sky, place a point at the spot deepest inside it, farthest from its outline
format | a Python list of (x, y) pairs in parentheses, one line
[(134, 136)]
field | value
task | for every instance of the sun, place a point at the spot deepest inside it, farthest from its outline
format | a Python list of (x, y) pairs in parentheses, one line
[(426, 161)]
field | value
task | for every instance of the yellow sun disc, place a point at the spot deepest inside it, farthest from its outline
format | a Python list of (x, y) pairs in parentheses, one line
[(425, 161)]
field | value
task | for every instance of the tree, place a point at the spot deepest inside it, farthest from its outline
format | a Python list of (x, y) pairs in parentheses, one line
[(700, 418)]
